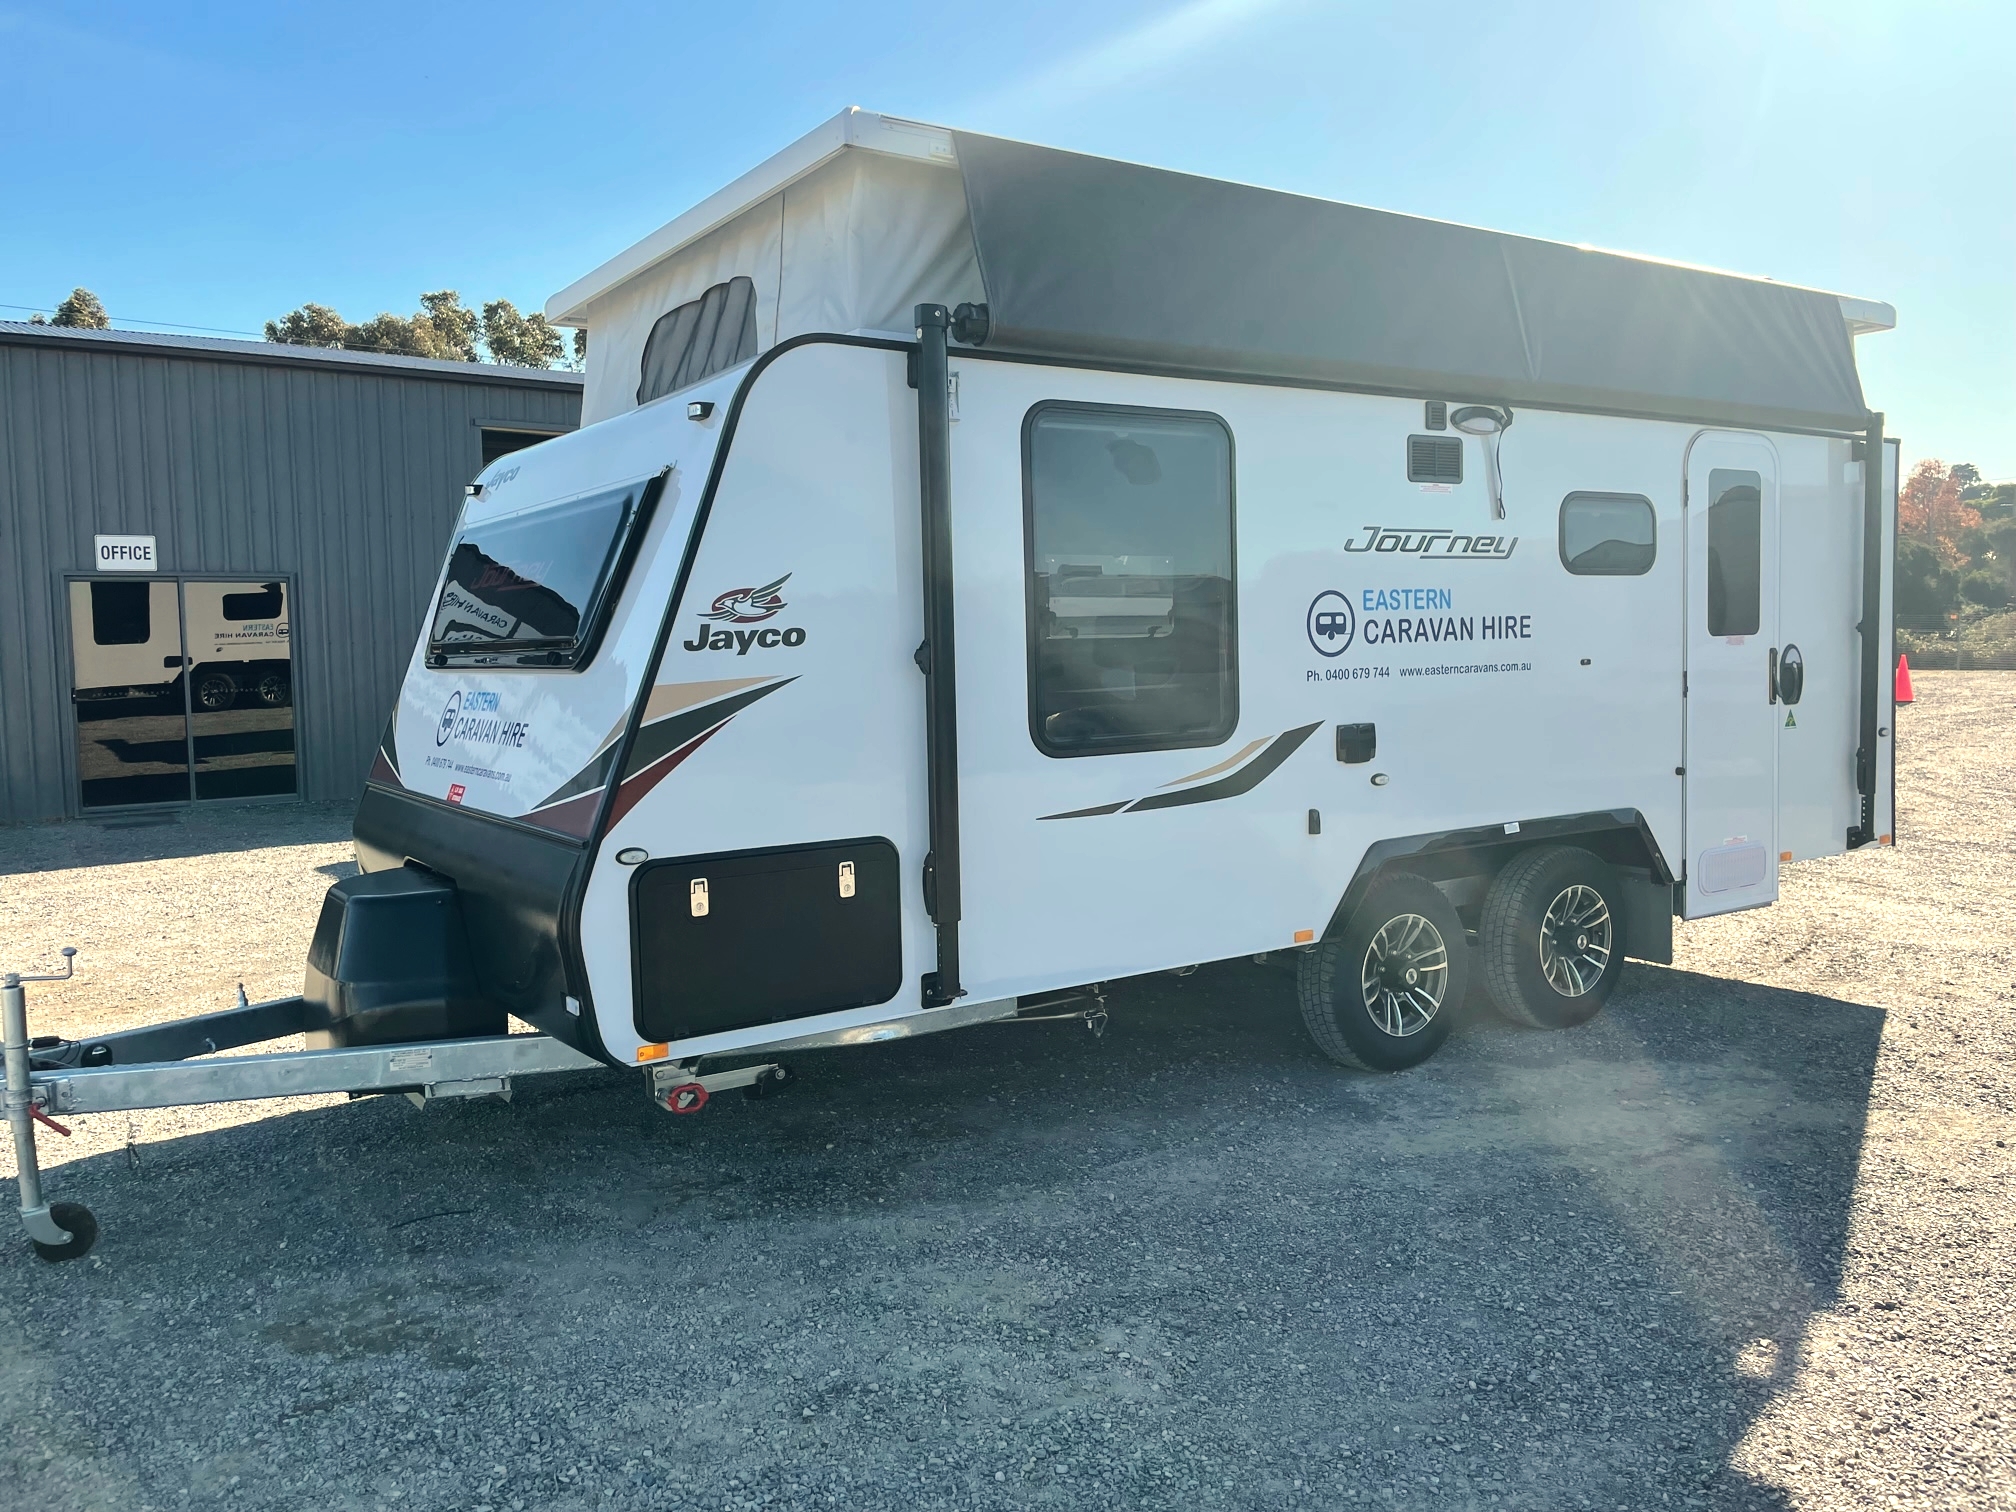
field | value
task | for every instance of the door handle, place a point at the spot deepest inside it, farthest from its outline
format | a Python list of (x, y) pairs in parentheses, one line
[(1774, 675)]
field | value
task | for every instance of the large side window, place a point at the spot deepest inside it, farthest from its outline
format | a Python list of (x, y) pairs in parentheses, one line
[(1607, 535), (1132, 613), (1735, 551), (700, 337)]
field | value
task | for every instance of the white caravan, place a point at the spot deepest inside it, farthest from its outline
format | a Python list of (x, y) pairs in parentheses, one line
[(989, 572)]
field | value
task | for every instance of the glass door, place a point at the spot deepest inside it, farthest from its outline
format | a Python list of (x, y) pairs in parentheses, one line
[(126, 683), (182, 690)]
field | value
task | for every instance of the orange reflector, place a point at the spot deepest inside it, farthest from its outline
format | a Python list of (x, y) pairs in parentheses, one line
[(1784, 855), (1304, 936), (653, 1052), (1885, 840)]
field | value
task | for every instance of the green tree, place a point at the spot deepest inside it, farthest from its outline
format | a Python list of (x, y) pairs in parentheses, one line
[(580, 346), (1926, 589), (83, 311), (311, 325), (520, 340)]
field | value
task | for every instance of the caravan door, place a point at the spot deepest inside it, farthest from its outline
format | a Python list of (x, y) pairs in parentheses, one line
[(1731, 738)]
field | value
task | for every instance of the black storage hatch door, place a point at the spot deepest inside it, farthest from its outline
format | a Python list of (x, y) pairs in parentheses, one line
[(757, 937)]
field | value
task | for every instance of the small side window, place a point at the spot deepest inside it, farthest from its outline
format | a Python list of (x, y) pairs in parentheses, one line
[(700, 337), (1131, 583), (119, 614), (1608, 535), (1735, 551)]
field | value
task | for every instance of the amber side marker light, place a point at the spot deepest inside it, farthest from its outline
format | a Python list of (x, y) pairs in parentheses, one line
[(1885, 840), (1304, 936), (653, 1052), (1784, 855)]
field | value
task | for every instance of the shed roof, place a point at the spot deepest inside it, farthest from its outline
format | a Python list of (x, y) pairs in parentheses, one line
[(281, 354)]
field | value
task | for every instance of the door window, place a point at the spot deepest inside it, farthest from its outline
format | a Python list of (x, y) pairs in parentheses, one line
[(1735, 557), (1607, 535), (1131, 600)]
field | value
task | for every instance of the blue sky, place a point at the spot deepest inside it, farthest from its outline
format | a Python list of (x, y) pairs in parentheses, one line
[(217, 165)]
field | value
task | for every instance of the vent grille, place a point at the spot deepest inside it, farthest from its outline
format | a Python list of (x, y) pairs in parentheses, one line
[(1435, 415), (1434, 459)]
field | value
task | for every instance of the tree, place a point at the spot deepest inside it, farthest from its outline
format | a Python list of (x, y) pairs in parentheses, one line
[(580, 345), (520, 340), (1924, 588), (1929, 509), (311, 325), (82, 311), (443, 328)]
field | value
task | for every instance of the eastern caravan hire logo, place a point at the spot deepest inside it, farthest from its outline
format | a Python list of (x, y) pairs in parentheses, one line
[(745, 606), (1434, 545), (1330, 623), (474, 716)]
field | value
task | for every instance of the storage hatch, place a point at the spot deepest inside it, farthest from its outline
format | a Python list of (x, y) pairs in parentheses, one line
[(741, 938)]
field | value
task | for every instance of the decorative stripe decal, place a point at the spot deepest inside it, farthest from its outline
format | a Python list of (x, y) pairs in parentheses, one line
[(656, 738), (1247, 778), (634, 787), (1230, 761)]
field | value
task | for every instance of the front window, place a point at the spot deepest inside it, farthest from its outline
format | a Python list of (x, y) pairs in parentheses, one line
[(531, 589), (1131, 603)]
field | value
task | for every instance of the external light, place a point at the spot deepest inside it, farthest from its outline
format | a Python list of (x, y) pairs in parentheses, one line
[(699, 409), (1488, 423)]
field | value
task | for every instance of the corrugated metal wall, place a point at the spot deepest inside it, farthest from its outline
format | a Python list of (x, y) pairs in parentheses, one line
[(347, 480)]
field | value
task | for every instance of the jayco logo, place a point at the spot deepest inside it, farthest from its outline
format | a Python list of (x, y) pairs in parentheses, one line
[(744, 606)]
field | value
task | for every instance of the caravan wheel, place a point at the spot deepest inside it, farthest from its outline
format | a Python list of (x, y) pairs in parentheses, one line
[(1552, 942), (1381, 995)]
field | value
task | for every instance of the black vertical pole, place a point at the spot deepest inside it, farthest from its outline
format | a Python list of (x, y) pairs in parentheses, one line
[(1871, 628), (936, 655)]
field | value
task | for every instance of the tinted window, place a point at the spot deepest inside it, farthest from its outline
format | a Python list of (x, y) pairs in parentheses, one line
[(1131, 605), (700, 337), (119, 614), (527, 587), (1735, 524), (265, 604), (1607, 535)]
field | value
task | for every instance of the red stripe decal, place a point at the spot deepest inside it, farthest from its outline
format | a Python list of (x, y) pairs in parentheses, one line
[(633, 788)]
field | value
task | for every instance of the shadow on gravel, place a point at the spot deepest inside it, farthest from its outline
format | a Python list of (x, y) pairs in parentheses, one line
[(1188, 1265), (169, 834)]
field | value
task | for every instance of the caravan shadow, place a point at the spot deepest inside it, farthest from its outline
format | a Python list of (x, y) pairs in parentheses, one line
[(1188, 1264)]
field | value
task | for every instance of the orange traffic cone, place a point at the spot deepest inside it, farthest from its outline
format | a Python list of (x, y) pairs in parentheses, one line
[(1903, 679)]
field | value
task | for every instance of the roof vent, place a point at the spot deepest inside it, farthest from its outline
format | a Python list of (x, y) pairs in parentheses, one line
[(1435, 415), (1434, 459)]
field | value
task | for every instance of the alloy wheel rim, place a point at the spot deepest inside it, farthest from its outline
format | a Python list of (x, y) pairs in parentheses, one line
[(1575, 940), (1405, 975)]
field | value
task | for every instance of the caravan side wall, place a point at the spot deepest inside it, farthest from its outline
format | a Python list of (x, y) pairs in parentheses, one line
[(1504, 688)]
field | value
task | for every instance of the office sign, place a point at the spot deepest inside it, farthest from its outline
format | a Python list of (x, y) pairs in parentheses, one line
[(125, 554)]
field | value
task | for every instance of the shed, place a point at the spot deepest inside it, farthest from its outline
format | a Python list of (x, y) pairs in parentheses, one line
[(215, 555)]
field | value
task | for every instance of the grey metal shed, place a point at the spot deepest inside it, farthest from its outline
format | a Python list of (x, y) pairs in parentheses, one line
[(214, 555)]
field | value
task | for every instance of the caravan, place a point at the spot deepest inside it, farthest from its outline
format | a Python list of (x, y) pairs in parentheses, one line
[(989, 572)]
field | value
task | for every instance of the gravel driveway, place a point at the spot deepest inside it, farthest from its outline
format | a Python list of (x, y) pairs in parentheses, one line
[(1745, 1241)]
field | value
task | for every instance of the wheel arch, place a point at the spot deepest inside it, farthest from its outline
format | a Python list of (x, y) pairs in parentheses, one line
[(1462, 863)]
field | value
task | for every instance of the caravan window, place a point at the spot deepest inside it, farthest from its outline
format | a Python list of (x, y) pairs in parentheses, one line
[(1607, 535), (119, 614), (1131, 606), (531, 589), (1735, 551), (700, 337)]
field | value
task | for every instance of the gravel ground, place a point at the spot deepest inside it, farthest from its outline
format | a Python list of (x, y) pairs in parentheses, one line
[(1743, 1242)]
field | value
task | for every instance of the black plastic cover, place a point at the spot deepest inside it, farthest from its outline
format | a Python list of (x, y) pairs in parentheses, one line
[(779, 938), (390, 964)]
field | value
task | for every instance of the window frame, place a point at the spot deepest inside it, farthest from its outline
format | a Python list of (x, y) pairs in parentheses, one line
[(595, 614), (1032, 645), (1561, 532)]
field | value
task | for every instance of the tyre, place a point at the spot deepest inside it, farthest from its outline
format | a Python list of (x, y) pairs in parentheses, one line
[(215, 691), (273, 690), (82, 1227), (1382, 995), (1552, 941)]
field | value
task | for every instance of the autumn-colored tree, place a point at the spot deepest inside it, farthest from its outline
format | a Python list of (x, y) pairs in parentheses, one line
[(1930, 509)]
